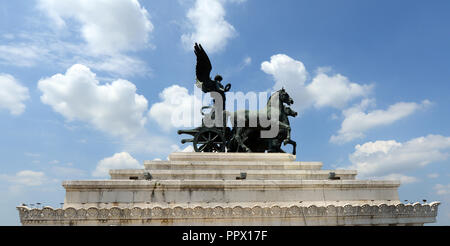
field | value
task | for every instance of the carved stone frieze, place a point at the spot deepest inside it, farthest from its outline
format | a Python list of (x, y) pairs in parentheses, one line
[(219, 212)]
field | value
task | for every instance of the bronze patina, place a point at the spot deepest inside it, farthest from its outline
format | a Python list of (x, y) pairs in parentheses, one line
[(215, 136)]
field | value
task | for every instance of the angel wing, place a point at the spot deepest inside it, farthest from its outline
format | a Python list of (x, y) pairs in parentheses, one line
[(203, 67)]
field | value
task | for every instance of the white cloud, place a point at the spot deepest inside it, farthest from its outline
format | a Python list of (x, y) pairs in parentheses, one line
[(114, 108), (40, 49), (384, 158), (396, 176), (442, 189), (292, 75), (189, 148), (209, 27), (433, 175), (357, 121), (247, 61), (118, 161), (177, 109), (286, 71), (107, 26), (12, 94), (148, 143), (121, 65), (21, 55), (26, 178), (108, 29), (335, 91), (323, 90)]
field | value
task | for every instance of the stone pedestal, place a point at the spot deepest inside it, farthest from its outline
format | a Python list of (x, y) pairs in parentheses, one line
[(231, 189)]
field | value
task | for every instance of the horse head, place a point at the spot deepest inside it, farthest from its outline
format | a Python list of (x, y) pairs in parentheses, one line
[(284, 97), (290, 112)]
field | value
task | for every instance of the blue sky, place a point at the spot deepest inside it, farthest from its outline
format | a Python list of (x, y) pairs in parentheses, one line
[(90, 85)]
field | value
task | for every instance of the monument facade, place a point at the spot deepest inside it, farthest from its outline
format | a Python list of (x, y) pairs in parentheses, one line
[(238, 175), (232, 189)]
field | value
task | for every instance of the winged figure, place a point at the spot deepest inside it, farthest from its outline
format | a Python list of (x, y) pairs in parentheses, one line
[(203, 71)]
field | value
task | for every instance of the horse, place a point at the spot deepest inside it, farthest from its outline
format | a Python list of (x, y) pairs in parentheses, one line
[(285, 133), (272, 145), (243, 132)]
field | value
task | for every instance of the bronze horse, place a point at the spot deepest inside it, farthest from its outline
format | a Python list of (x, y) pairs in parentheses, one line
[(247, 138)]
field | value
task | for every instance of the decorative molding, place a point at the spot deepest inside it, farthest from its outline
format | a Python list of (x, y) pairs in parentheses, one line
[(417, 210), (176, 185)]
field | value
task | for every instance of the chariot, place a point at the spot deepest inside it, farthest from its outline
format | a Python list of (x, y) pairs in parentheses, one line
[(242, 136)]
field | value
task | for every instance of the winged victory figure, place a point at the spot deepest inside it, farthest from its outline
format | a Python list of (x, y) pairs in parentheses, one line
[(203, 71)]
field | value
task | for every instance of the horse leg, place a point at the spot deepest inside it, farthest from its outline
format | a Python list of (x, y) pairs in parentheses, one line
[(241, 136), (274, 146), (237, 137), (244, 138), (294, 146)]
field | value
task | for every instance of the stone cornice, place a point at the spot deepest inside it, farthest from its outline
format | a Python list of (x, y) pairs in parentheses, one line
[(416, 210), (228, 184)]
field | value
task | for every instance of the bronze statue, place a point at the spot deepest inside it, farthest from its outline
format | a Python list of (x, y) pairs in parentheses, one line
[(203, 71), (244, 137)]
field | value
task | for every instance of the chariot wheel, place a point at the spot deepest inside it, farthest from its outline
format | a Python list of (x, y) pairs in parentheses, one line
[(209, 140)]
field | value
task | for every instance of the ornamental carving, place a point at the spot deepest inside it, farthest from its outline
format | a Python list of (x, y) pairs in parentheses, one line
[(218, 212), (103, 213), (178, 212), (114, 212), (257, 211), (70, 213), (136, 213), (383, 210), (331, 210), (93, 212), (237, 211), (81, 213)]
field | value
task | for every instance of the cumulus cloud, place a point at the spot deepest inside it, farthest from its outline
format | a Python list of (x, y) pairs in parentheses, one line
[(108, 27), (12, 94), (292, 75), (209, 27), (357, 121), (394, 159), (178, 108), (285, 71), (335, 91), (118, 161), (323, 90), (114, 107)]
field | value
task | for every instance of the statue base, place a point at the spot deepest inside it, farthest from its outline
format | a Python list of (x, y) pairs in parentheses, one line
[(242, 189)]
